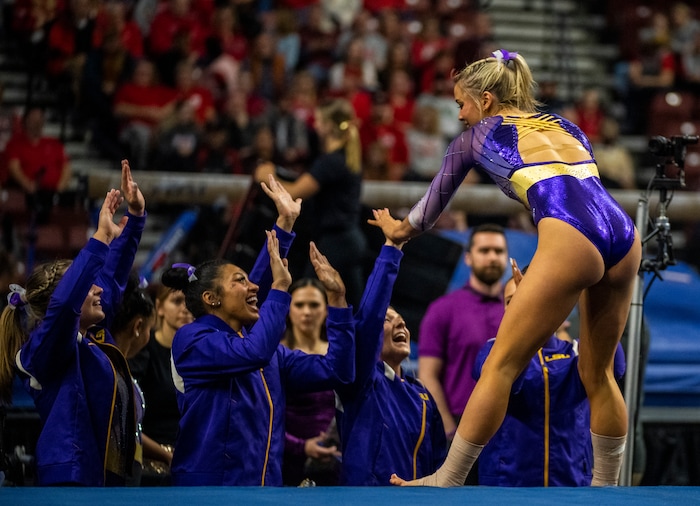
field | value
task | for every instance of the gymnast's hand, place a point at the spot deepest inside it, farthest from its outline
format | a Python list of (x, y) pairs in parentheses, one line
[(329, 277), (395, 230), (517, 274), (288, 209), (107, 230), (131, 192), (281, 278)]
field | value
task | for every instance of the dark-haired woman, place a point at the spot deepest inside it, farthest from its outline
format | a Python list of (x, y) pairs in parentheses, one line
[(131, 329), (231, 371), (151, 368)]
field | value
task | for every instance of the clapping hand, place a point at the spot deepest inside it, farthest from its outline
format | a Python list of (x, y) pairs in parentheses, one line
[(288, 209), (107, 230), (131, 192), (281, 278), (517, 274), (328, 276)]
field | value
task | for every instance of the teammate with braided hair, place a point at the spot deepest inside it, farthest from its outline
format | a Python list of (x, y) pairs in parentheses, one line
[(77, 376)]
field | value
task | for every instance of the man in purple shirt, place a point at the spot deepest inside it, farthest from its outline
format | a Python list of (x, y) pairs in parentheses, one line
[(457, 325)]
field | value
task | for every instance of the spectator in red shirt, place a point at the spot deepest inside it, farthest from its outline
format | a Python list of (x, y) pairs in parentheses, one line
[(36, 162), (429, 42), (141, 104), (30, 23), (188, 90), (175, 17), (115, 17), (354, 66), (225, 36), (401, 98), (382, 129), (376, 6), (71, 38), (589, 114)]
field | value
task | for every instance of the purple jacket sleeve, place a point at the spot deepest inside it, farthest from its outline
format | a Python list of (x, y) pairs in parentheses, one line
[(313, 373), (208, 348), (52, 344), (369, 319), (261, 274), (120, 260)]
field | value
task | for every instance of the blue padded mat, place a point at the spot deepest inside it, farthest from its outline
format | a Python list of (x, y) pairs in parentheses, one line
[(340, 496)]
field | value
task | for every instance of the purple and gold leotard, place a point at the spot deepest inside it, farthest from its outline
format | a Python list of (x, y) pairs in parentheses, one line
[(571, 192)]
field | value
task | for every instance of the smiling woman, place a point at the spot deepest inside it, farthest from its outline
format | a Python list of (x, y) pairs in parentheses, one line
[(231, 373), (387, 419), (56, 337)]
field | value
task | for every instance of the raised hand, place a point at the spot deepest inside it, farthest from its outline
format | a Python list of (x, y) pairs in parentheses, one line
[(517, 274), (281, 278), (288, 209), (107, 230), (328, 276), (388, 241), (397, 231), (131, 192)]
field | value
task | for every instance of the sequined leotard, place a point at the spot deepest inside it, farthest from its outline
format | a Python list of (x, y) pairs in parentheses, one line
[(571, 192)]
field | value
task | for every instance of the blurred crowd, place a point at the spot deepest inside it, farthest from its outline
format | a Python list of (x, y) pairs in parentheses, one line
[(215, 86), (220, 86)]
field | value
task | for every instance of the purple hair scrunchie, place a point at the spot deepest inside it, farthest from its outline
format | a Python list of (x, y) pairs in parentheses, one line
[(502, 55), (190, 271), (17, 297)]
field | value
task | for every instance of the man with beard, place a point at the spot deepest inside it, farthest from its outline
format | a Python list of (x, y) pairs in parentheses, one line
[(456, 326)]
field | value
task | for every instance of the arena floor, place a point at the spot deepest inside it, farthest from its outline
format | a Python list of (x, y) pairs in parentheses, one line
[(339, 496)]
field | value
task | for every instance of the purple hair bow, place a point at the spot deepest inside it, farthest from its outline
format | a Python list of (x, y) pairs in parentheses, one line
[(190, 271), (17, 297), (502, 55)]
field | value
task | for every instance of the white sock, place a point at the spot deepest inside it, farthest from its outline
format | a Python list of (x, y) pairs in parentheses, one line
[(456, 467), (607, 459)]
